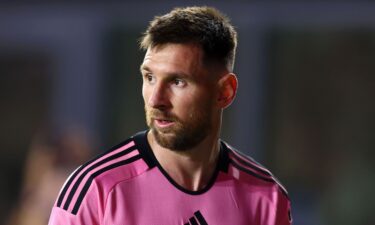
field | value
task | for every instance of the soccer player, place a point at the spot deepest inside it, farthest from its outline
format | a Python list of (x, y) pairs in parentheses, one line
[(178, 171)]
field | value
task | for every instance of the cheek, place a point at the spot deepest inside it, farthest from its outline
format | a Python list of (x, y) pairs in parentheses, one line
[(184, 99), (189, 106), (144, 93), (193, 100)]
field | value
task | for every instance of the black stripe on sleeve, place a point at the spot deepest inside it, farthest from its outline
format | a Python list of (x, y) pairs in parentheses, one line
[(67, 185), (241, 160), (69, 182), (251, 172), (267, 179), (97, 173), (200, 218), (105, 160)]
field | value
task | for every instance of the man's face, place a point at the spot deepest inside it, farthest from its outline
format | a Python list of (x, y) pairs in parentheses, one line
[(179, 95)]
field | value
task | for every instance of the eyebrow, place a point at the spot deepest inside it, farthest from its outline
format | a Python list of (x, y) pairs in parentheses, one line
[(174, 74), (143, 67)]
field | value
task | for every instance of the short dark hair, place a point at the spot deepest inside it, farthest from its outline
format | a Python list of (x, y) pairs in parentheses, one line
[(205, 26)]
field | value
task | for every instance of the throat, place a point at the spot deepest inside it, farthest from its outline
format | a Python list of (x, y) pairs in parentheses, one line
[(190, 170), (187, 173), (192, 181)]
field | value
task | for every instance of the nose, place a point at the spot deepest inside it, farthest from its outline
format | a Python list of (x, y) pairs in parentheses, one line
[(159, 97)]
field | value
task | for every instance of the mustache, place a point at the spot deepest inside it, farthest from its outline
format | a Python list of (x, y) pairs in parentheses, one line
[(157, 113)]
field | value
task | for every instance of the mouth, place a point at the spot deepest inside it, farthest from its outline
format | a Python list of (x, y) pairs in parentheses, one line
[(162, 122)]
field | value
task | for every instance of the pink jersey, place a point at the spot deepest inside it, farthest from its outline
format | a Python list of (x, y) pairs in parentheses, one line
[(127, 186)]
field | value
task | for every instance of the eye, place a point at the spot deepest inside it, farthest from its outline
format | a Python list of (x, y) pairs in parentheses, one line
[(179, 82), (149, 78)]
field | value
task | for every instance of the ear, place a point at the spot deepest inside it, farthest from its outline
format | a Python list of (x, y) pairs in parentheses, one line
[(227, 90)]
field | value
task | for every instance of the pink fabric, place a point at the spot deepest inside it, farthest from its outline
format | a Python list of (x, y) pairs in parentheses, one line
[(97, 160), (139, 194), (80, 187)]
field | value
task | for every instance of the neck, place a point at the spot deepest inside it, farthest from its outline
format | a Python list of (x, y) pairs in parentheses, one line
[(192, 168)]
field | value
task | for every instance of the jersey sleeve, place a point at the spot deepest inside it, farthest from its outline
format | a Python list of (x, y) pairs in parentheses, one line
[(78, 212), (274, 209), (61, 217), (283, 211)]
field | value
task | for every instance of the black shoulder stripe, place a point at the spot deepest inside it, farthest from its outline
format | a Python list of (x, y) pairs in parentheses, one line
[(69, 182), (267, 179), (241, 160), (97, 173), (243, 169), (96, 165)]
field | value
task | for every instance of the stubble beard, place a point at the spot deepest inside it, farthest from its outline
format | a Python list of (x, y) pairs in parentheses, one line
[(182, 135)]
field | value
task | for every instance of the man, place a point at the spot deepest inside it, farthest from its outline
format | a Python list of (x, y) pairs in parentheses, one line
[(179, 171)]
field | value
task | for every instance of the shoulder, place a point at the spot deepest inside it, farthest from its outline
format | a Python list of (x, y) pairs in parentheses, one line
[(260, 183), (247, 170), (99, 175)]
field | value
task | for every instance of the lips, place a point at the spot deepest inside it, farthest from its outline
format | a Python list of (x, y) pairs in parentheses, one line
[(162, 122), (160, 119)]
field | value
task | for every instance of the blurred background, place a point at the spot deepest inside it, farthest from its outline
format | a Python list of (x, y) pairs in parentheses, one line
[(70, 88)]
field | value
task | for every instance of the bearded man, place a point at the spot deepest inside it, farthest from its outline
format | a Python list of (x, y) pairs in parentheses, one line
[(179, 171)]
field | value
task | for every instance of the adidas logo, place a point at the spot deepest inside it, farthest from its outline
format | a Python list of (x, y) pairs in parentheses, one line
[(197, 219)]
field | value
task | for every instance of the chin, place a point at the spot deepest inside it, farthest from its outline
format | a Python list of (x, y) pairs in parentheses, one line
[(177, 142)]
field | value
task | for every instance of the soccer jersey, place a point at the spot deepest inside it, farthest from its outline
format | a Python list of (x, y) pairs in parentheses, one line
[(127, 186)]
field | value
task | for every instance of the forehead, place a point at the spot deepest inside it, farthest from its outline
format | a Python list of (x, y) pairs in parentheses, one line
[(174, 58)]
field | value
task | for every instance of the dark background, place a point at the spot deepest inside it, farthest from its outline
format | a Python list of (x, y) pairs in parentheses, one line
[(70, 88)]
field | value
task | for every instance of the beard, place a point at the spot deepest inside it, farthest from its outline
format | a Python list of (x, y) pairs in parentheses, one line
[(182, 135)]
